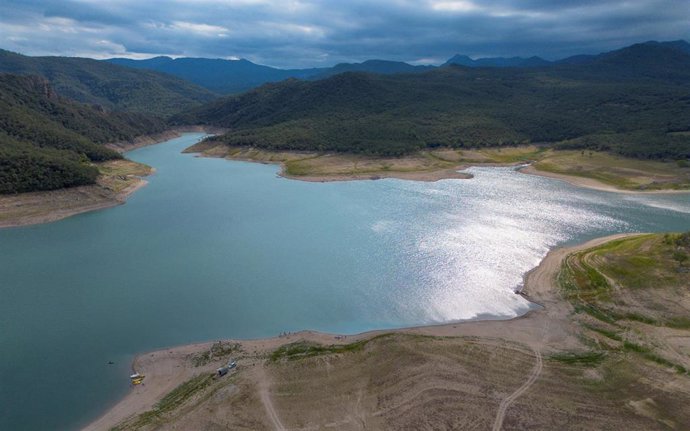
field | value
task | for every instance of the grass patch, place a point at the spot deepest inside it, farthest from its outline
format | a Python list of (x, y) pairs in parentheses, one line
[(637, 317), (629, 346), (303, 349), (605, 332), (678, 322), (170, 402), (648, 354), (620, 172), (579, 358), (595, 312), (217, 350)]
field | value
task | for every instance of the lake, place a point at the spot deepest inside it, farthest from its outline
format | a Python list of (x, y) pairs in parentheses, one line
[(213, 249)]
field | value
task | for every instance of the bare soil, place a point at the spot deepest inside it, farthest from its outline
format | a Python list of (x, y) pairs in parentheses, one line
[(474, 375)]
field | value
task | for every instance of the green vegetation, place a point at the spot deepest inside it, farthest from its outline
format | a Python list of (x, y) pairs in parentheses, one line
[(170, 402), (218, 350), (632, 291), (48, 142), (303, 349), (621, 172), (109, 85), (579, 358), (631, 103)]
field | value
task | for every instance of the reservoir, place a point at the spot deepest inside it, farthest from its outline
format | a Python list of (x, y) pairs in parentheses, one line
[(215, 249)]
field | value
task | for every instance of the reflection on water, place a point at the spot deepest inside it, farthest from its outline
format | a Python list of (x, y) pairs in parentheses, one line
[(216, 249)]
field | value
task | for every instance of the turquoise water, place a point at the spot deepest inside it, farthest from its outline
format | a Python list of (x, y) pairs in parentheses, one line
[(216, 249)]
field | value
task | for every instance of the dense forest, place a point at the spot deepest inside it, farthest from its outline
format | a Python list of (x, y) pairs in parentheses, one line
[(109, 85), (48, 142), (634, 101)]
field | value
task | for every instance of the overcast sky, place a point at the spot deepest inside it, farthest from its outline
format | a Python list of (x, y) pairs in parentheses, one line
[(303, 33)]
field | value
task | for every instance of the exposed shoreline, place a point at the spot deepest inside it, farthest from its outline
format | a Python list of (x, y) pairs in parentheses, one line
[(455, 171), (43, 207), (53, 205), (546, 329), (421, 175), (590, 183), (63, 203)]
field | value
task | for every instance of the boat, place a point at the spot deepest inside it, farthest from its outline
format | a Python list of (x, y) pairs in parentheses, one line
[(137, 378)]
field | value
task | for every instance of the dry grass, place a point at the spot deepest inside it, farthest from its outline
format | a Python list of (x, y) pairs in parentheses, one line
[(621, 172), (412, 382), (627, 373), (603, 168)]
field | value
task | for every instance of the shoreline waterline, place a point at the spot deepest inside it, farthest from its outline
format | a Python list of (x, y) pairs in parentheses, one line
[(549, 309), (267, 255), (98, 201)]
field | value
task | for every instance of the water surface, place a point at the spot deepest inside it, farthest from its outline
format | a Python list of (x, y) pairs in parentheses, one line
[(216, 249)]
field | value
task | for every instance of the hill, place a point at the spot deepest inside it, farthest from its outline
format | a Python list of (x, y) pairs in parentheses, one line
[(463, 60), (382, 67), (235, 76), (218, 75), (49, 142), (108, 85), (634, 101)]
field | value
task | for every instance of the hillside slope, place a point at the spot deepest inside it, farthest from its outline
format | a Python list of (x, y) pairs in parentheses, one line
[(108, 85), (218, 75), (634, 101), (48, 142)]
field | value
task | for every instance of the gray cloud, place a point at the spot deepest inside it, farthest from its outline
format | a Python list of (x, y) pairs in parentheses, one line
[(302, 33)]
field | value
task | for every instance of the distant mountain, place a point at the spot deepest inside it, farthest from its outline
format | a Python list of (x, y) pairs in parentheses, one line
[(109, 85), (48, 141), (678, 45), (382, 67), (218, 75), (657, 61), (235, 76), (463, 60), (628, 101)]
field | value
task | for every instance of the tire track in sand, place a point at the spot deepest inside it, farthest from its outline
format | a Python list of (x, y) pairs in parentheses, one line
[(266, 400), (534, 375)]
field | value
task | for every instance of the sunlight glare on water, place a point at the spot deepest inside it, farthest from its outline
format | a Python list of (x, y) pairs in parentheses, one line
[(471, 253), (215, 249)]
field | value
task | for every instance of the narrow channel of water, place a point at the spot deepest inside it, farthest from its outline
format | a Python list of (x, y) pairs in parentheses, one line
[(216, 249)]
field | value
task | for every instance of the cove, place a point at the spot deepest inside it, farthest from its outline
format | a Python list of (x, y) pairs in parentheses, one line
[(213, 249)]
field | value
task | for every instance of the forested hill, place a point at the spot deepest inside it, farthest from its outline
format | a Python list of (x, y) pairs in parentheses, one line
[(218, 75), (634, 101), (48, 142), (109, 85)]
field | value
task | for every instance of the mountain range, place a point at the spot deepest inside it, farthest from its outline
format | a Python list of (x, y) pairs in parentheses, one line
[(235, 76), (633, 101), (56, 112)]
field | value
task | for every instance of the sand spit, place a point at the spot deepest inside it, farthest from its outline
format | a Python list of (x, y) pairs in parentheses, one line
[(590, 183)]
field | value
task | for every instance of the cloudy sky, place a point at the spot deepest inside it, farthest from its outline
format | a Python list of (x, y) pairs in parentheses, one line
[(302, 33)]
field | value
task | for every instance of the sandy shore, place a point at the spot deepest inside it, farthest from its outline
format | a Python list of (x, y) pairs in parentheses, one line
[(414, 173), (425, 176), (546, 329), (44, 207), (590, 183)]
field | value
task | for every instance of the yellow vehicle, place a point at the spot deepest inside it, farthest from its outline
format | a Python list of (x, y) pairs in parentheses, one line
[(137, 378)]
